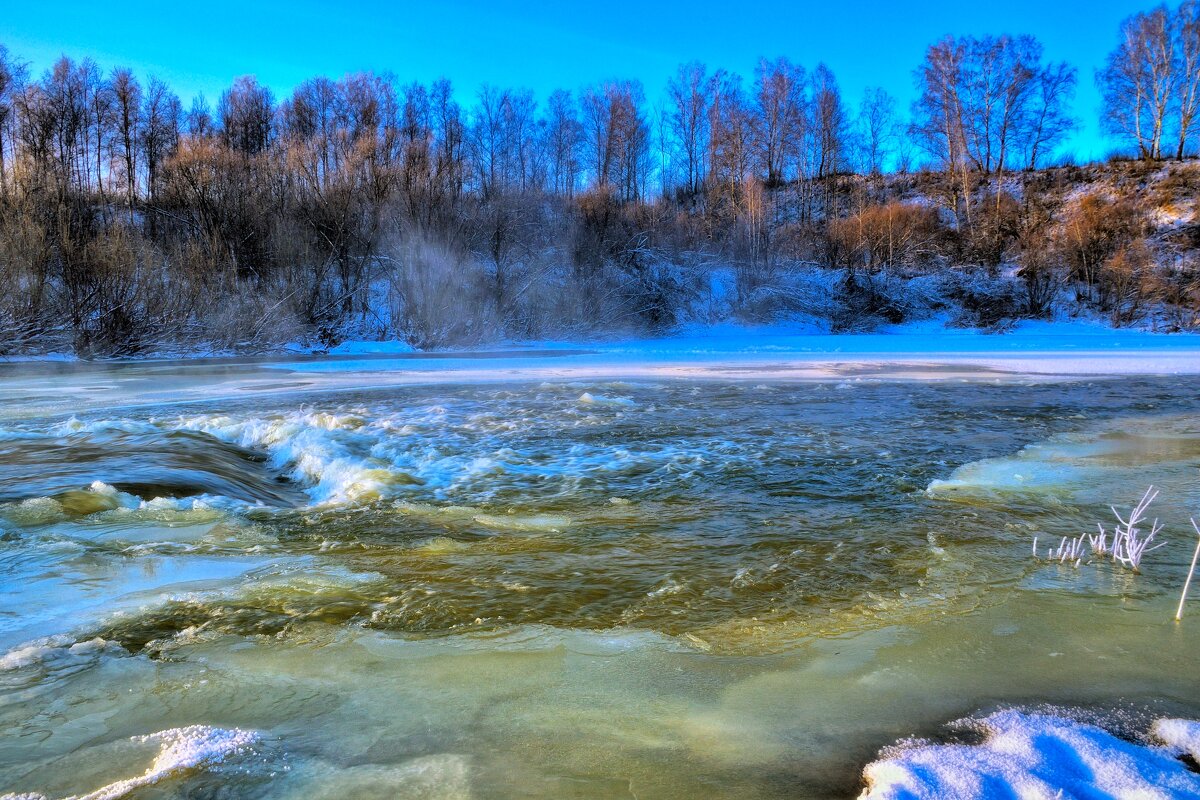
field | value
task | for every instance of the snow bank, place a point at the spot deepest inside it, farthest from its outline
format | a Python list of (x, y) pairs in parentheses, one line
[(931, 336), (1036, 757)]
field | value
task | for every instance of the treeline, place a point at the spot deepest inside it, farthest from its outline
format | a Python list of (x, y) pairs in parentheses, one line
[(366, 206)]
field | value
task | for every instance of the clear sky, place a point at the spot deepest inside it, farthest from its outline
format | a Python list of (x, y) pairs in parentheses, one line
[(202, 46)]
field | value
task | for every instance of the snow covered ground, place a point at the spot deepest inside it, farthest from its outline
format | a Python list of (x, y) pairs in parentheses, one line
[(1062, 347)]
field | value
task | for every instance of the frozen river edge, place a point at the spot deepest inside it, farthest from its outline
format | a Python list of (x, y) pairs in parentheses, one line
[(1033, 352)]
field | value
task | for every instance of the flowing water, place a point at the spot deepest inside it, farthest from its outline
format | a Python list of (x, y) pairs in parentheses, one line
[(569, 589)]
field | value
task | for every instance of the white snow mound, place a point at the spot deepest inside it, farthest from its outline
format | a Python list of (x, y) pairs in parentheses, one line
[(1028, 756)]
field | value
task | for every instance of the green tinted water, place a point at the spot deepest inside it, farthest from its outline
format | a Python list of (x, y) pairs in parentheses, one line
[(674, 589)]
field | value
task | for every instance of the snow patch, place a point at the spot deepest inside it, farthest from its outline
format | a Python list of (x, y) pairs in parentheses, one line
[(1036, 757), (1180, 735)]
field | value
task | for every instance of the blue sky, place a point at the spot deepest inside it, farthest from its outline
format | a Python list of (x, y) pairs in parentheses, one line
[(203, 46)]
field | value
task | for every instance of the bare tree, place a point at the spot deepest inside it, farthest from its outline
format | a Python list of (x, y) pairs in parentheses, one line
[(617, 136), (563, 133), (1048, 118), (1138, 82), (730, 136), (986, 101), (877, 129), (688, 95), (828, 123), (1187, 69), (449, 130), (487, 138), (199, 120), (780, 120), (246, 111), (159, 130), (127, 95), (64, 90), (101, 109), (12, 75)]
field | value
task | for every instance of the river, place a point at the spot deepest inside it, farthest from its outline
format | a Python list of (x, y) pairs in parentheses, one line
[(232, 579)]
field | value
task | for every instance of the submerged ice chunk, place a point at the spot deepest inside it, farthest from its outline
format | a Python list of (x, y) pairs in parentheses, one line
[(57, 649), (179, 750), (589, 399), (552, 523)]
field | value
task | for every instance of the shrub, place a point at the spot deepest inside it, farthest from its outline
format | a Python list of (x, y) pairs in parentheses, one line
[(984, 301), (1127, 280), (1092, 233), (995, 224), (1040, 258), (889, 235)]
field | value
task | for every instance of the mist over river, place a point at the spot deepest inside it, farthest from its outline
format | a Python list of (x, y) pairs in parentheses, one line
[(567, 586)]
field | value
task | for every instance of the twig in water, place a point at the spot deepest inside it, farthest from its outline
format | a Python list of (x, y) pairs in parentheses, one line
[(1069, 550), (1187, 583), (1127, 546)]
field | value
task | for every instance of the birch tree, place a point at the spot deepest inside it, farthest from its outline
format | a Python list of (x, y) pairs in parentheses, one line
[(1138, 82)]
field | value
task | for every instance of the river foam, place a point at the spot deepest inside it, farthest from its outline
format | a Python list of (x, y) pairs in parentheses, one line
[(457, 455), (451, 451), (340, 458)]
